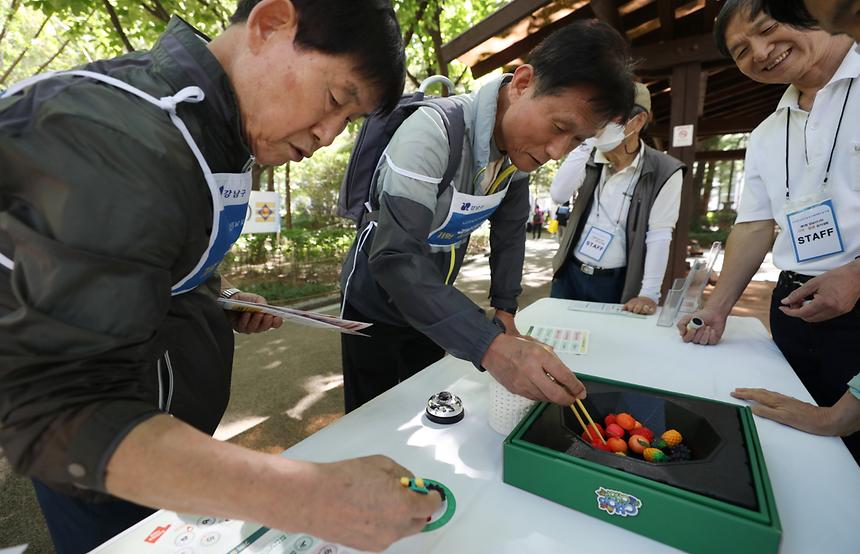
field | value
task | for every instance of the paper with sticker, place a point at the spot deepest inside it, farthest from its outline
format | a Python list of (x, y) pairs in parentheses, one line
[(563, 341)]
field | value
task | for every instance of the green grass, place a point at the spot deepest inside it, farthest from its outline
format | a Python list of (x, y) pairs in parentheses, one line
[(277, 292)]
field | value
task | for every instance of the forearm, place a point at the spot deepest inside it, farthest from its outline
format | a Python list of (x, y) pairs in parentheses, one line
[(844, 416), (165, 463), (746, 248), (657, 243)]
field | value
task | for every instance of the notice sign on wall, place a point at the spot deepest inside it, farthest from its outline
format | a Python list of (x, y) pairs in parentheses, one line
[(264, 213), (682, 136)]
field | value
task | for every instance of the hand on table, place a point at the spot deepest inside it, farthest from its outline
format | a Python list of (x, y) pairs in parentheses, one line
[(786, 410), (710, 333), (531, 369), (641, 305), (361, 504), (248, 322), (833, 293)]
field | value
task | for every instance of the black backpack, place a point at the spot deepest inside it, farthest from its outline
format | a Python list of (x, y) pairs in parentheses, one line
[(356, 191)]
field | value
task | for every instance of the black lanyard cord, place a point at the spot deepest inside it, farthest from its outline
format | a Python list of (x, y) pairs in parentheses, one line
[(626, 195), (832, 149)]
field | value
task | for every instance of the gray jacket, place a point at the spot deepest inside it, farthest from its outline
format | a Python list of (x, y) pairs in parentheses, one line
[(397, 278), (657, 167)]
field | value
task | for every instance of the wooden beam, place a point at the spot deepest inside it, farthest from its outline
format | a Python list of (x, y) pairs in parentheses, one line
[(686, 93), (667, 19), (715, 127), (607, 11), (494, 24), (523, 47), (712, 8), (669, 54), (720, 155)]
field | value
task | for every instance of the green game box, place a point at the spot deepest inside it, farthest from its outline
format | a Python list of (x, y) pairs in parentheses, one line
[(719, 501)]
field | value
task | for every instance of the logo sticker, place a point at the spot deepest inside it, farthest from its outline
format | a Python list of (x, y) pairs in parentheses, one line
[(156, 534), (617, 503)]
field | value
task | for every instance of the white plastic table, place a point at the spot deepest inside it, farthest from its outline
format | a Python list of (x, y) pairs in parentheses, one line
[(815, 480)]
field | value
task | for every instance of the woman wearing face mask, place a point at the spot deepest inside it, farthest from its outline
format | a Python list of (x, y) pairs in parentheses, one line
[(627, 196)]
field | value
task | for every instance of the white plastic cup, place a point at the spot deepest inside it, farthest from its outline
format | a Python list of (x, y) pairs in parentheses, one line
[(506, 408)]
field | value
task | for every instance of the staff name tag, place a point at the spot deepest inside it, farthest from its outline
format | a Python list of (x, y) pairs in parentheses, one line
[(595, 244), (815, 232)]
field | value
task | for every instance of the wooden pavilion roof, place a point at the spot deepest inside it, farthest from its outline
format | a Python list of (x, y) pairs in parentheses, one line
[(663, 34)]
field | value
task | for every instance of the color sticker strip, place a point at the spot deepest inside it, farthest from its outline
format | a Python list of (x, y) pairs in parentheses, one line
[(563, 341)]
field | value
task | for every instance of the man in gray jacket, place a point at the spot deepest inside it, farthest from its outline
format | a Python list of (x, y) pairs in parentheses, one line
[(400, 271)]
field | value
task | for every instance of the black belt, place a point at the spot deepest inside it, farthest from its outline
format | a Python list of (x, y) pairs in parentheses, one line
[(595, 271), (791, 280)]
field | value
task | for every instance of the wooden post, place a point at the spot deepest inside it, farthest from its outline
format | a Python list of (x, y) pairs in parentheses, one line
[(688, 89)]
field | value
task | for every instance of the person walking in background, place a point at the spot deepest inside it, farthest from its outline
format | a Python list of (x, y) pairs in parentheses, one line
[(537, 222)]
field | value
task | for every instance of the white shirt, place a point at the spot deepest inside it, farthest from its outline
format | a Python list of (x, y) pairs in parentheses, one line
[(811, 138), (613, 186)]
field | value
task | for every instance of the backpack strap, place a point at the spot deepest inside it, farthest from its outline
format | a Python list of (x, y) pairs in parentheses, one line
[(454, 121)]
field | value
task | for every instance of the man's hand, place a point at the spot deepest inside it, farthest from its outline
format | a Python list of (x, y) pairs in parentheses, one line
[(532, 370), (710, 333), (641, 305), (360, 503), (256, 322), (833, 293)]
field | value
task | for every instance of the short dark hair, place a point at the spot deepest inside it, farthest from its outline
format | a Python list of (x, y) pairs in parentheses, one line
[(730, 8), (366, 30), (591, 53), (793, 12)]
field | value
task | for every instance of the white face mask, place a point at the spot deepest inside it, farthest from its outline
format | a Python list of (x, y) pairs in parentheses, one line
[(610, 137)]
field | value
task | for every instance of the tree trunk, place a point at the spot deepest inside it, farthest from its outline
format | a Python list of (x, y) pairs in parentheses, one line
[(271, 179), (288, 196), (698, 180), (23, 53), (436, 35), (256, 172), (114, 19), (13, 7), (707, 188)]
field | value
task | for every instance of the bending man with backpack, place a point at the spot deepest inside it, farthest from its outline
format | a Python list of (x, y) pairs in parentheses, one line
[(427, 195)]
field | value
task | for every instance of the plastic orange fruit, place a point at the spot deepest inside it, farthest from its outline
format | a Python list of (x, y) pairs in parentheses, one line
[(626, 421), (617, 445)]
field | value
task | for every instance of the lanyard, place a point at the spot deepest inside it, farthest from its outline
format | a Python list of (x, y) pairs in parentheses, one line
[(832, 149), (628, 194)]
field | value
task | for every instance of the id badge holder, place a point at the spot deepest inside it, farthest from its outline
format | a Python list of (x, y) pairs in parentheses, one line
[(596, 243), (814, 228)]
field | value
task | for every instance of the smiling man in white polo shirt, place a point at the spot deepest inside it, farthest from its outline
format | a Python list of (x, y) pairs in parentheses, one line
[(802, 172)]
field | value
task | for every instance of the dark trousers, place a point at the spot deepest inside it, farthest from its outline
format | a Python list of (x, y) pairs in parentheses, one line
[(77, 526), (825, 356), (572, 284), (536, 230), (374, 364)]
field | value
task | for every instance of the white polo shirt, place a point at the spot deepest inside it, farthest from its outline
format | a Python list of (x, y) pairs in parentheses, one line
[(811, 138), (612, 203)]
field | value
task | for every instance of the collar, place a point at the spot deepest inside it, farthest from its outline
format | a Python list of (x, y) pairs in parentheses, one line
[(486, 104), (182, 58), (848, 69), (599, 158)]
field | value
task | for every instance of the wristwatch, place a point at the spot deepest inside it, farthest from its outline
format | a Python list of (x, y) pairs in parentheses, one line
[(512, 311), (229, 293)]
